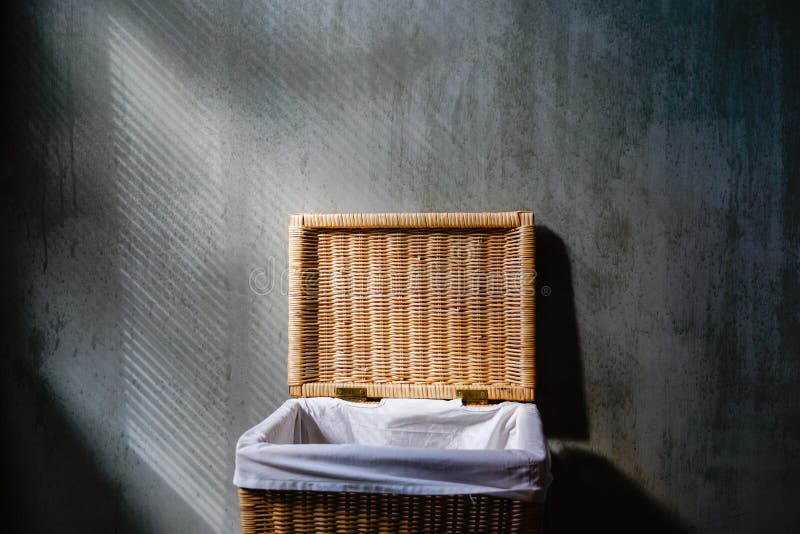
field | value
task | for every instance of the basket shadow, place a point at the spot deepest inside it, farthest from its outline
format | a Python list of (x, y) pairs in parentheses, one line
[(559, 373), (589, 494)]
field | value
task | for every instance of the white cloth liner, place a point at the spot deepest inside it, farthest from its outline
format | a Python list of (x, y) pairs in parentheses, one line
[(409, 446)]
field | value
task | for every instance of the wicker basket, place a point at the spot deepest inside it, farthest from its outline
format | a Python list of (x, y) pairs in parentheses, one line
[(422, 305)]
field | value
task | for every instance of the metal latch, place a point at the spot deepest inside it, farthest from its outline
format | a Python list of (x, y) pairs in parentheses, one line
[(352, 394), (473, 396)]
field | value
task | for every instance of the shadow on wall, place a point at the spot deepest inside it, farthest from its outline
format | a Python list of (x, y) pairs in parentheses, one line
[(589, 494), (559, 373), (46, 452), (42, 448)]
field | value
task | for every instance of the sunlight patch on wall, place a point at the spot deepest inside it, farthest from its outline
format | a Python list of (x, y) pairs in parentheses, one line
[(168, 179)]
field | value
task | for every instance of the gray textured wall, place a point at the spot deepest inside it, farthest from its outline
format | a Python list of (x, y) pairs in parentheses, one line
[(153, 152)]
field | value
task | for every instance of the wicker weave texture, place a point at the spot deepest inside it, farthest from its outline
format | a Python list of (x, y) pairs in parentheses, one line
[(412, 305), (339, 513)]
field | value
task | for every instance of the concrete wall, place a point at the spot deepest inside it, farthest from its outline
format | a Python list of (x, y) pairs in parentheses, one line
[(153, 152)]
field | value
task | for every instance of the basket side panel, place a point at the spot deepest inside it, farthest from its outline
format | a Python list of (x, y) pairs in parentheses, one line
[(335, 513)]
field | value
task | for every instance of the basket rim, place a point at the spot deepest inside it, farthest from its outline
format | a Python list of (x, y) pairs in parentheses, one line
[(411, 220)]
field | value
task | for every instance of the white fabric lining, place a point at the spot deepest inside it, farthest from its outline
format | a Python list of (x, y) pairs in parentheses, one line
[(409, 446)]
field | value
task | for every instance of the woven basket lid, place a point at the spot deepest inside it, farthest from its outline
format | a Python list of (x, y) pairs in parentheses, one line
[(412, 305)]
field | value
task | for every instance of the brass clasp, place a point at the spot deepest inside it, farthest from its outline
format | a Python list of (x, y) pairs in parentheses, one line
[(352, 394), (473, 396)]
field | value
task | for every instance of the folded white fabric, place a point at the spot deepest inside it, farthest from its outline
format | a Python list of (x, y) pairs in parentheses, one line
[(410, 446)]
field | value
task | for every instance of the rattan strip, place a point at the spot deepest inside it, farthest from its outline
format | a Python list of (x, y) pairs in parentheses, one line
[(510, 219), (302, 512), (412, 306), (412, 391)]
